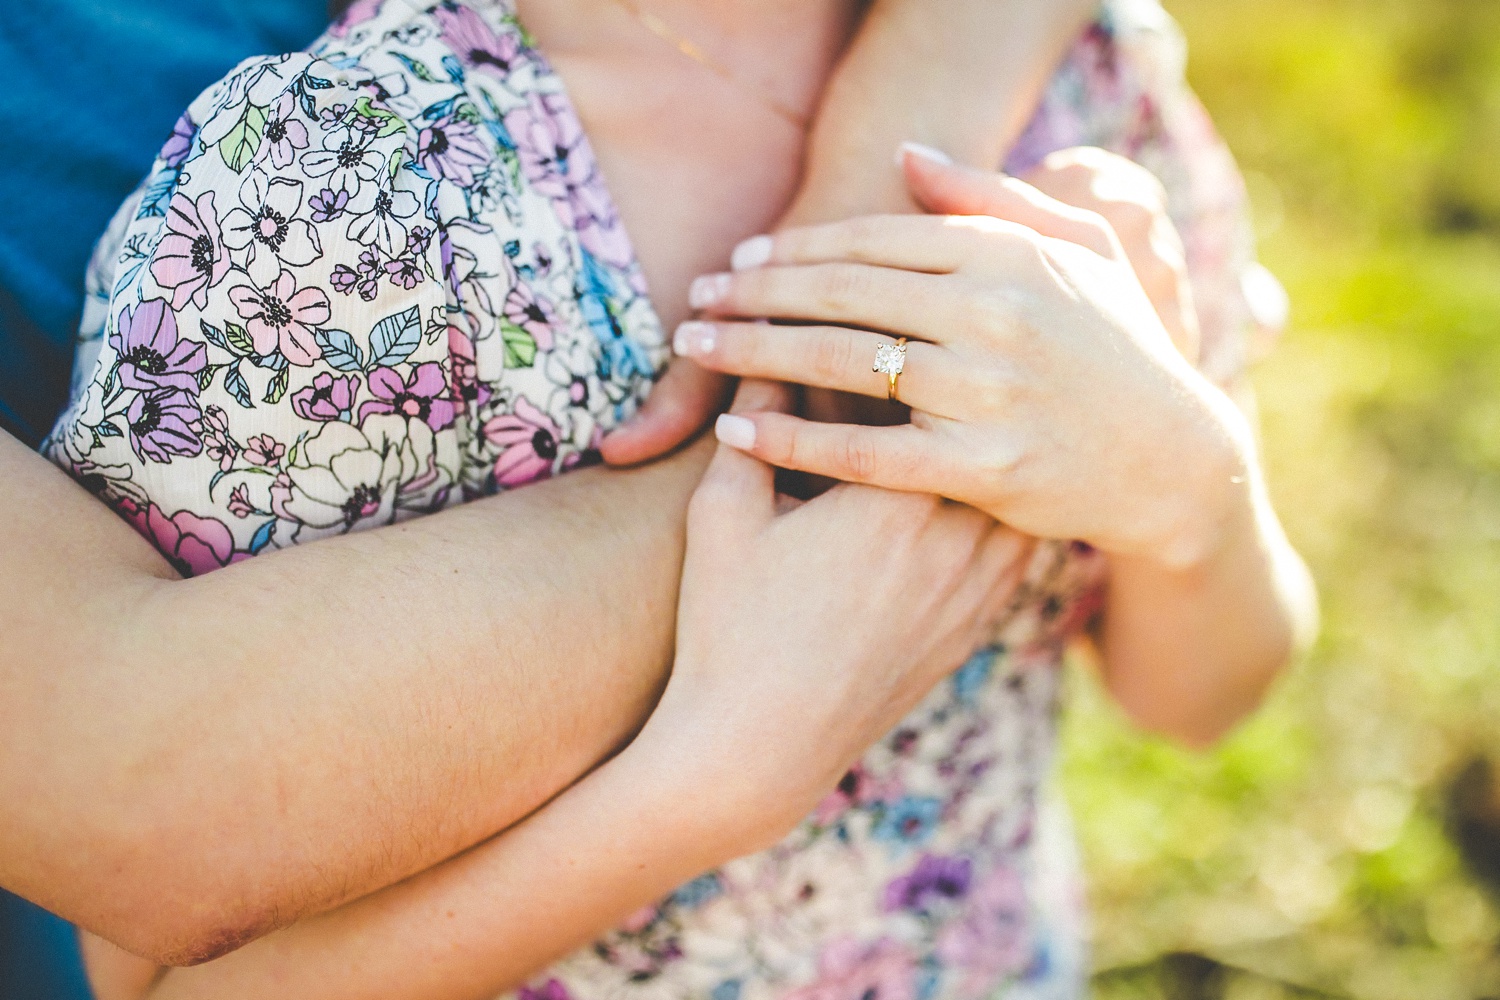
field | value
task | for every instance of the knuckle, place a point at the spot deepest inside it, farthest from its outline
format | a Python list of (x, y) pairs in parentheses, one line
[(840, 286), (861, 458), (832, 356)]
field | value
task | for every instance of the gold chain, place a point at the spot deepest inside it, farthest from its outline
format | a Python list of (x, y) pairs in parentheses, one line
[(687, 47)]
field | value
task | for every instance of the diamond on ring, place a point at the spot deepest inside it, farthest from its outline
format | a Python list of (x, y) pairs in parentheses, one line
[(890, 360)]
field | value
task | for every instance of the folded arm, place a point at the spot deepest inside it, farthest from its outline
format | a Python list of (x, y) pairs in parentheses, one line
[(192, 763)]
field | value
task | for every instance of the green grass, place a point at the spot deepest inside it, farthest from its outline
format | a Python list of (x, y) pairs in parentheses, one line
[(1312, 855)]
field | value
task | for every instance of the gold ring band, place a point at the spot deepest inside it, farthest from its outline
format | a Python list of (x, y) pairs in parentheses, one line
[(890, 359)]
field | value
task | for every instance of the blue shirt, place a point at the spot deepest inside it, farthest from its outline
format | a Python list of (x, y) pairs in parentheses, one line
[(121, 71)]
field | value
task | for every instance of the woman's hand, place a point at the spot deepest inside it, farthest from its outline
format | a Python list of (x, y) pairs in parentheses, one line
[(805, 636), (1045, 388)]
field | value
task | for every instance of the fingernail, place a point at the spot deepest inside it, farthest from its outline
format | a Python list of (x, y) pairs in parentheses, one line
[(737, 432), (925, 152), (709, 289), (693, 339), (752, 253)]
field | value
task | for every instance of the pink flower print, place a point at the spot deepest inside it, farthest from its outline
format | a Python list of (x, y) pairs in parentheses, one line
[(263, 449), (467, 390), (239, 502), (848, 970), (328, 398), (216, 440), (552, 989), (450, 148), (151, 357), (283, 317), (162, 424), (531, 313), (422, 397), (857, 788), (991, 939), (598, 223), (358, 13), (190, 259), (529, 440), (267, 230), (283, 134), (476, 45), (194, 545)]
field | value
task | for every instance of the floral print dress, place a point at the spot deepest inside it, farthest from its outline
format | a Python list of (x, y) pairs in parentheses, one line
[(382, 276)]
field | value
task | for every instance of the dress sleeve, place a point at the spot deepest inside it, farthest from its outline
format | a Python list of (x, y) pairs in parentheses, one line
[(271, 365)]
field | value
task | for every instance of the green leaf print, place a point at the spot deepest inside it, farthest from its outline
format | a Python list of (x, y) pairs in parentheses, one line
[(243, 141), (520, 346)]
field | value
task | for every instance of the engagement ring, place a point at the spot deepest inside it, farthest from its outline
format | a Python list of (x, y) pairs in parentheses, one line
[(891, 359)]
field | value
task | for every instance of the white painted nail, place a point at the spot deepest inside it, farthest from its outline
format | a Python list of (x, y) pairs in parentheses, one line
[(925, 152), (693, 339), (752, 253), (735, 431), (709, 289)]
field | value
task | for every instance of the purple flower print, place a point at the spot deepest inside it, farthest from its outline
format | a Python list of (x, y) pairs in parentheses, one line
[(190, 259), (283, 317), (328, 398), (217, 443), (422, 397), (180, 142), (194, 545), (450, 148), (530, 313), (152, 358), (404, 271), (991, 940), (558, 161), (328, 204), (477, 46), (162, 424), (934, 879), (263, 449), (283, 134), (529, 441), (848, 970), (346, 159), (552, 989), (366, 279)]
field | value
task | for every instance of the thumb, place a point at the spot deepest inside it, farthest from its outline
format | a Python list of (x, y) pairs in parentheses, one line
[(681, 403), (946, 188), (735, 480)]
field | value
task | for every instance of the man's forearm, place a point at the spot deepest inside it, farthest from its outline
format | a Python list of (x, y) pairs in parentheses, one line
[(192, 763), (963, 76)]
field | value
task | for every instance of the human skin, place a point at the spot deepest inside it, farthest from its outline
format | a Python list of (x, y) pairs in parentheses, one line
[(1046, 390), (153, 767), (767, 707)]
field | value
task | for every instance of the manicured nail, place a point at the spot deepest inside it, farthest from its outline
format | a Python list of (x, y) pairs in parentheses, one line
[(693, 339), (752, 253), (737, 432), (925, 152), (709, 289)]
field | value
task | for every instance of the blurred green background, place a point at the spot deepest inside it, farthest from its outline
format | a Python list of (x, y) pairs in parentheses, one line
[(1346, 843)]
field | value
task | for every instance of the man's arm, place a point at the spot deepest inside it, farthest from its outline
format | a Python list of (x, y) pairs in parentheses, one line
[(190, 764)]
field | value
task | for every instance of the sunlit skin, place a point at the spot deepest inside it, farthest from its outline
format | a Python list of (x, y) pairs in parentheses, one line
[(159, 819)]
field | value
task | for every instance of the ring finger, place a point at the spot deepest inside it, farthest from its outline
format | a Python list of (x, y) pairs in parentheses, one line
[(826, 357)]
